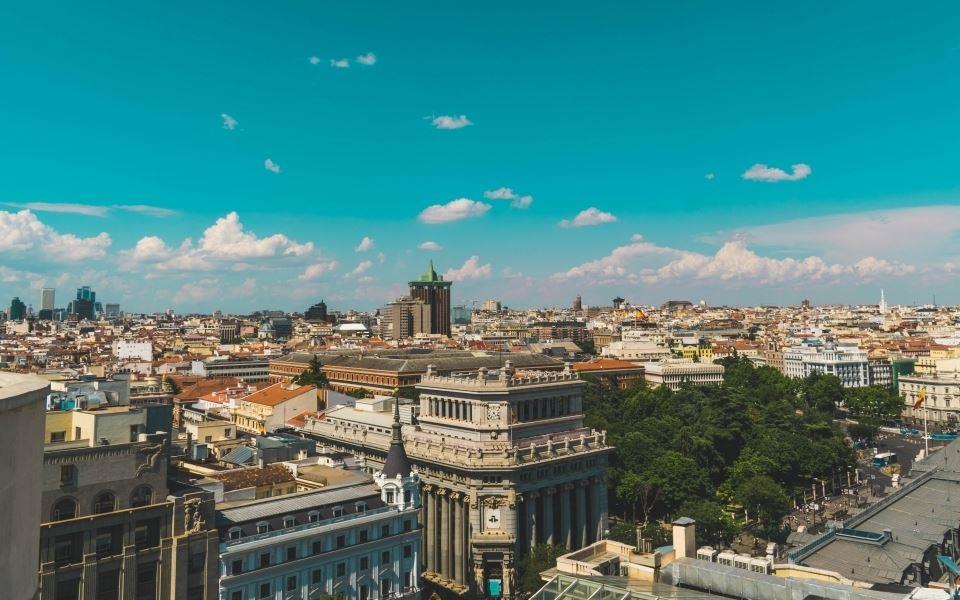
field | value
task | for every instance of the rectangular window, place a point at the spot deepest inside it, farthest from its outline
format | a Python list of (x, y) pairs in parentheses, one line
[(363, 535), (292, 553), (407, 525), (407, 551), (264, 560), (291, 583), (236, 567), (146, 581), (316, 576), (341, 569), (108, 585), (265, 590), (364, 592), (68, 475), (385, 531), (197, 562), (57, 436), (134, 432), (364, 563), (316, 547), (236, 595), (341, 541), (385, 587), (385, 557)]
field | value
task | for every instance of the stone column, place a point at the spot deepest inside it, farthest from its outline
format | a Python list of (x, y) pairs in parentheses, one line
[(546, 525), (580, 533), (602, 504), (430, 531), (566, 535), (444, 565), (456, 499), (596, 531), (530, 512)]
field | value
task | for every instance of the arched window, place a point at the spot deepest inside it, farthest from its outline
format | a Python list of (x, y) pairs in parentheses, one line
[(104, 502), (142, 496), (65, 508)]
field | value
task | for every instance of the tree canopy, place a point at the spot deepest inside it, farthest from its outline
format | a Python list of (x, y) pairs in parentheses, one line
[(755, 441)]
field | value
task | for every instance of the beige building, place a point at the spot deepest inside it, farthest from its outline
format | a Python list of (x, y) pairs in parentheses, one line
[(406, 317), (505, 463), (675, 373), (270, 408), (21, 456), (942, 403), (112, 529)]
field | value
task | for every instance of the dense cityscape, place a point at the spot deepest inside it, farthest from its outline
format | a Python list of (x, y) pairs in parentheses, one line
[(558, 300), (478, 451)]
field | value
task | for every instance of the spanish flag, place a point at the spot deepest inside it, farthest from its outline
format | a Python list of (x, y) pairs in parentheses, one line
[(921, 396)]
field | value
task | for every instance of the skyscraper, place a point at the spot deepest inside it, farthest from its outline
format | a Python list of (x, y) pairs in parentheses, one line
[(83, 306), (434, 291), (577, 304), (47, 298), (317, 313), (18, 310)]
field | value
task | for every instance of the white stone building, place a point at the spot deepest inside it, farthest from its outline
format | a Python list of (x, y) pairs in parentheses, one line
[(849, 363), (675, 373)]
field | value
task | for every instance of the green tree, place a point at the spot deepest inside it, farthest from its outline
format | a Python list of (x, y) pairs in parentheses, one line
[(765, 498), (678, 479), (313, 375), (714, 526), (540, 558), (875, 402), (823, 393)]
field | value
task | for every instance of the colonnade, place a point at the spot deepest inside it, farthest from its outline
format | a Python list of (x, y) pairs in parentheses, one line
[(446, 516), (571, 514)]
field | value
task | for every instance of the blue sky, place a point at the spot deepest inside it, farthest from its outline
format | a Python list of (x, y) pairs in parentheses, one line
[(648, 120)]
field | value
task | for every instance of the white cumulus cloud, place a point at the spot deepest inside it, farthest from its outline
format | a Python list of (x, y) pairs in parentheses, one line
[(733, 264), (588, 218), (471, 269), (761, 172), (455, 210), (339, 63), (448, 122), (362, 267), (431, 246), (314, 60), (317, 270), (226, 242), (229, 123), (271, 166), (368, 59), (505, 193), (365, 244), (22, 232)]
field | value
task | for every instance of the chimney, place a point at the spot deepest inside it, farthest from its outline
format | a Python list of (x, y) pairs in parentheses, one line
[(684, 538)]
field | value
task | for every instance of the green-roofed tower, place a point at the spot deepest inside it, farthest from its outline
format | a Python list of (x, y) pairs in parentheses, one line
[(434, 291)]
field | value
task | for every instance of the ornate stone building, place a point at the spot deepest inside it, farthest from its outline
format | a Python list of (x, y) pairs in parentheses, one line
[(505, 463)]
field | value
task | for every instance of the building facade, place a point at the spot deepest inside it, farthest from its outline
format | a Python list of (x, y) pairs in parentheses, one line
[(850, 364), (21, 446), (432, 290), (360, 540), (675, 374), (112, 530), (504, 462), (942, 402)]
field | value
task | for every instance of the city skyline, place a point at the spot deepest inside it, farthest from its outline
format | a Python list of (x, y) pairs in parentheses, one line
[(740, 155)]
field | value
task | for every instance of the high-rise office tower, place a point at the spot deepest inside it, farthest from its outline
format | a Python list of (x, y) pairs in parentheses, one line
[(577, 304), (47, 298), (83, 306), (18, 310), (434, 291)]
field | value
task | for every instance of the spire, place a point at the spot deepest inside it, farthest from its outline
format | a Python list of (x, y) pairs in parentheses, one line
[(397, 463)]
